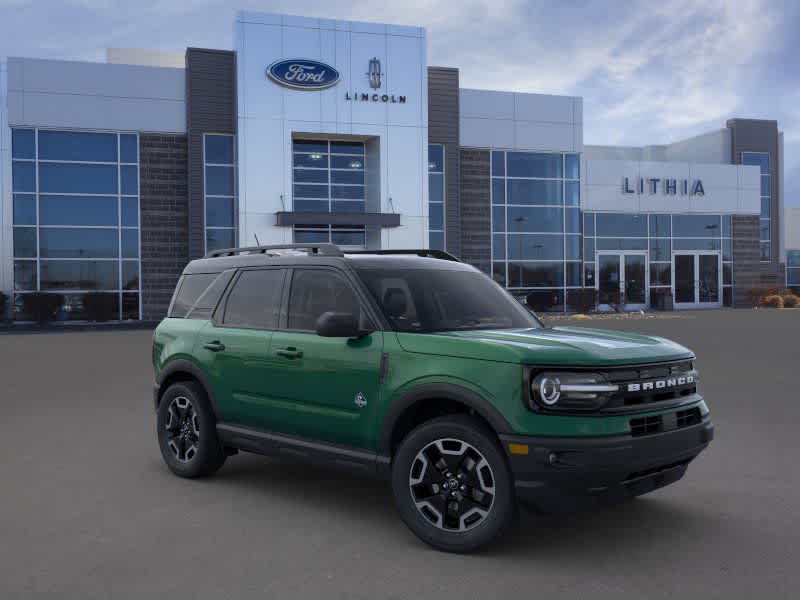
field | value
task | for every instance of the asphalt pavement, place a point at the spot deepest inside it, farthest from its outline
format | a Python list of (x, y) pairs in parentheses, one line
[(88, 510)]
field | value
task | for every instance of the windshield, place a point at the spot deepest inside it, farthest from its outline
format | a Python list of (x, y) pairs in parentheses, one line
[(429, 301)]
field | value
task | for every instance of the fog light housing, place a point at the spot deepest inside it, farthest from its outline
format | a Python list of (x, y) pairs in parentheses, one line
[(570, 391)]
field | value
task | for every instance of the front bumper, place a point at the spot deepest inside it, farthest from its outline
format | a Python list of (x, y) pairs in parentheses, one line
[(560, 473)]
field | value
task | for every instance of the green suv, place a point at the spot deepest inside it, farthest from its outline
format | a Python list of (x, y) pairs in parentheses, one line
[(413, 366)]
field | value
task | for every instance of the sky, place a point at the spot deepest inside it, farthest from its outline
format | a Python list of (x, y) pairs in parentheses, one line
[(649, 72)]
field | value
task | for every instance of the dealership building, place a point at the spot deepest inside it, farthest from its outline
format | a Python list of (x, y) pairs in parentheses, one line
[(113, 175)]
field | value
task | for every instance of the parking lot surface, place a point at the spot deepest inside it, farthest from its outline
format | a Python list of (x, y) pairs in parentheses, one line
[(88, 509)]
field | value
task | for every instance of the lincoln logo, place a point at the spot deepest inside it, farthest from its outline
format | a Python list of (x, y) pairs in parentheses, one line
[(374, 74), (661, 384), (301, 74)]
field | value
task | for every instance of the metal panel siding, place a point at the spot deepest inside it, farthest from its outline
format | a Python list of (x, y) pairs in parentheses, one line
[(443, 128), (210, 108), (476, 215), (754, 135)]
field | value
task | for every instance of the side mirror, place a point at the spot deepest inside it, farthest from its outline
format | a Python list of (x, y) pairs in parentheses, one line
[(336, 324)]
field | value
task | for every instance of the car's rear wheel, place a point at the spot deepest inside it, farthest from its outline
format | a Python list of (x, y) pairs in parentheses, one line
[(187, 434), (452, 484)]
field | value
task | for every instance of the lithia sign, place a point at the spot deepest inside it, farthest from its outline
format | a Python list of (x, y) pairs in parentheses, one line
[(667, 186), (306, 74)]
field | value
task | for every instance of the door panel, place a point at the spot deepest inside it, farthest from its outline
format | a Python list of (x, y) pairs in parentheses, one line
[(684, 278), (315, 383), (708, 275), (322, 388), (234, 347), (635, 278)]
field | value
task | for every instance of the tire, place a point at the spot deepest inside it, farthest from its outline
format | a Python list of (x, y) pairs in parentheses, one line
[(187, 432), (467, 509)]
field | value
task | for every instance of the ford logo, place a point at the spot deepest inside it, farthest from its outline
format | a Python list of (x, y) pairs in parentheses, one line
[(303, 74)]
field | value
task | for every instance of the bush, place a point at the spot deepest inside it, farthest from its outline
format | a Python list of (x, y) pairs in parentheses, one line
[(773, 301), (758, 295), (98, 306), (41, 306), (790, 301)]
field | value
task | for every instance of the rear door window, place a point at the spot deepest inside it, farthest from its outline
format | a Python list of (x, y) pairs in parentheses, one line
[(254, 300)]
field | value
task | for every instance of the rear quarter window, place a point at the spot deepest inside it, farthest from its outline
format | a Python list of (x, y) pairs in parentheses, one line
[(188, 291)]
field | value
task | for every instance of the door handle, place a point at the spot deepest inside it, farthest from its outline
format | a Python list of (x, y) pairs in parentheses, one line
[(290, 352), (215, 346)]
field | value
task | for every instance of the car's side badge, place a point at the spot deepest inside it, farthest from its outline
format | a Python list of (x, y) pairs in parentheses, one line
[(360, 400)]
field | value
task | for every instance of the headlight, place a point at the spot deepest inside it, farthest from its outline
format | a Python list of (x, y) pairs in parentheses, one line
[(571, 391)]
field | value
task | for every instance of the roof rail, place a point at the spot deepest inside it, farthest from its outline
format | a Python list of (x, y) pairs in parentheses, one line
[(423, 252), (312, 249)]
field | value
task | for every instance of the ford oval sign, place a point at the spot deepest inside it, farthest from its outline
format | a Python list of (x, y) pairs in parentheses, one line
[(303, 74)]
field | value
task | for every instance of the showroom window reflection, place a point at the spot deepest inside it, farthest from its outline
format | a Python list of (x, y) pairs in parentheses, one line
[(219, 159), (329, 176), (436, 196), (761, 160), (536, 241), (76, 220), (793, 269), (659, 236)]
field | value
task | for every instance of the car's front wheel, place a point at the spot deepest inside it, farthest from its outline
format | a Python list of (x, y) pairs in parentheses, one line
[(452, 484), (187, 434)]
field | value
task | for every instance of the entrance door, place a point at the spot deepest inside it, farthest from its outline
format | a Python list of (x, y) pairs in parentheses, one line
[(697, 279), (622, 279)]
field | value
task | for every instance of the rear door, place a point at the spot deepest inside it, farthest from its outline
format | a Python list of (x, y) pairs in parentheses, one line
[(234, 345), (323, 388)]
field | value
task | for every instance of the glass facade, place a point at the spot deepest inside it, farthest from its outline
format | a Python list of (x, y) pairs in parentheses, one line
[(659, 235), (219, 167), (328, 176), (793, 268), (761, 160), (76, 219), (536, 235), (436, 196)]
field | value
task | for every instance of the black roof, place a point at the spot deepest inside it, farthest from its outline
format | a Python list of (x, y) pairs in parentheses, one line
[(324, 254)]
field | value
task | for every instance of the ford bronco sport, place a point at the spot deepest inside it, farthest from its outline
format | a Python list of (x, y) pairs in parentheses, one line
[(414, 366)]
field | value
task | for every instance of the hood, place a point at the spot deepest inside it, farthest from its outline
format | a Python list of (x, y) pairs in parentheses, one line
[(564, 346)]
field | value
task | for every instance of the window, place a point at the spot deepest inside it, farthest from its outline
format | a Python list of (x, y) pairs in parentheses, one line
[(762, 160), (793, 268), (188, 290), (536, 222), (436, 196), (219, 159), (661, 234), (76, 217), (316, 291), (329, 176), (254, 300)]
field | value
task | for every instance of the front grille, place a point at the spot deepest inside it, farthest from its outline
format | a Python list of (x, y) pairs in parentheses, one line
[(646, 425), (649, 384)]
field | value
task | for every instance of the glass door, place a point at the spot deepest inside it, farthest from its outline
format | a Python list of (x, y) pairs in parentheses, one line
[(697, 279), (622, 280)]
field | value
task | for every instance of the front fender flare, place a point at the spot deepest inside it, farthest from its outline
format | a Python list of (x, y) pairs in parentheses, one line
[(445, 391)]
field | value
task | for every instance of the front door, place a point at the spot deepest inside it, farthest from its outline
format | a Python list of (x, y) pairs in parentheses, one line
[(622, 279), (321, 387), (697, 279)]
